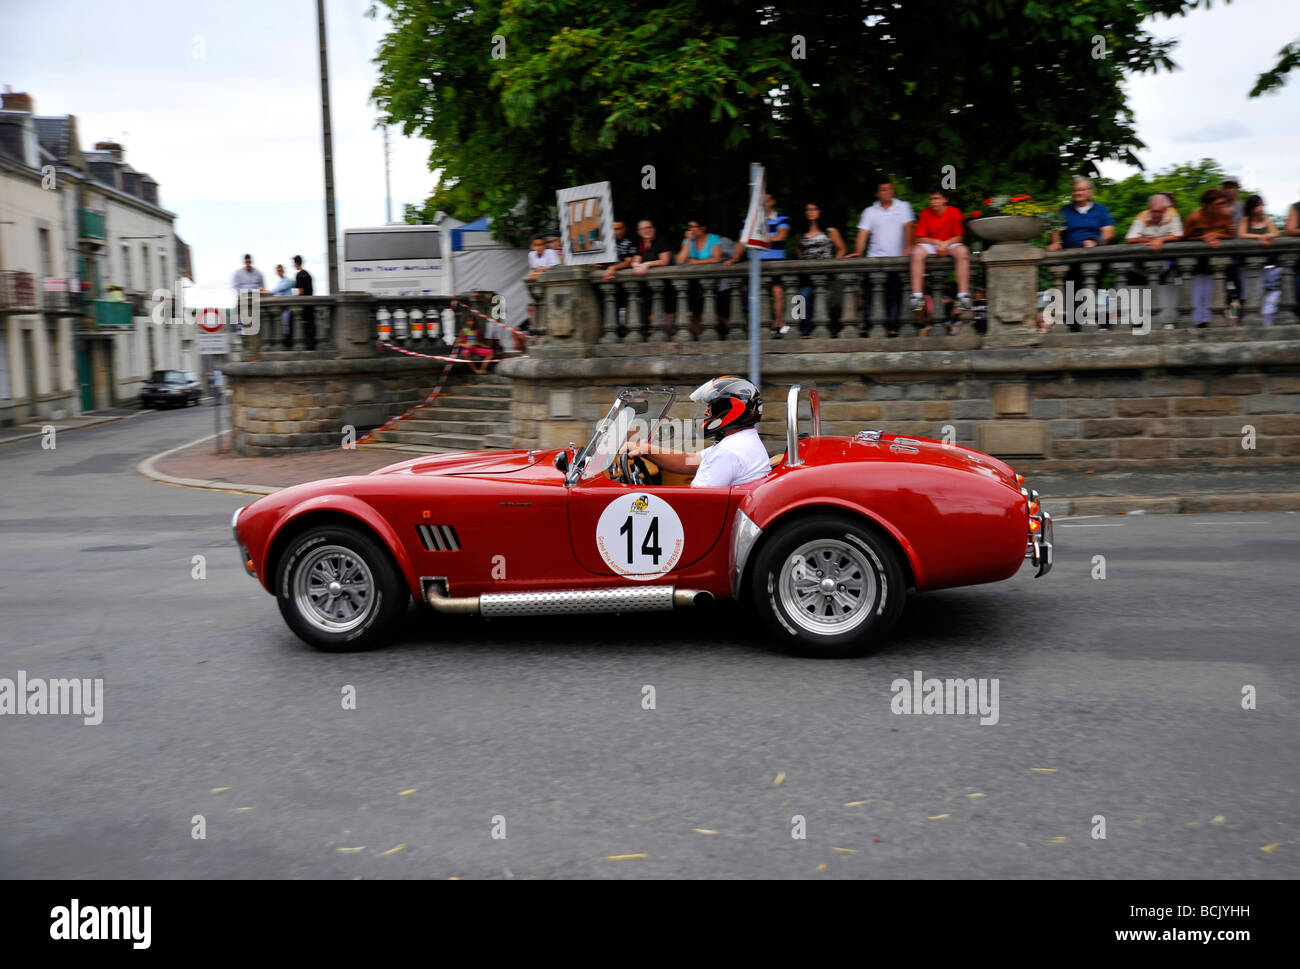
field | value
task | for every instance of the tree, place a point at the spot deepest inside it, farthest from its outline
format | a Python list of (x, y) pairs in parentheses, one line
[(670, 102)]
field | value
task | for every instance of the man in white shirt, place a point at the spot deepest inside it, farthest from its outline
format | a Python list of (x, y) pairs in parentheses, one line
[(732, 410), (885, 229)]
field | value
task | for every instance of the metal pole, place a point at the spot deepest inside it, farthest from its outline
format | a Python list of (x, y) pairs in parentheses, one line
[(331, 236), (388, 186), (216, 401), (755, 312)]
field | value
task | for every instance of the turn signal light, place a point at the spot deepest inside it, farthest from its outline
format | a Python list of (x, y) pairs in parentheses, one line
[(249, 565), (1033, 508), (1020, 481)]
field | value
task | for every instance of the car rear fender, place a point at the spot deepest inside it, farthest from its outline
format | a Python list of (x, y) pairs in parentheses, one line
[(770, 520), (323, 508)]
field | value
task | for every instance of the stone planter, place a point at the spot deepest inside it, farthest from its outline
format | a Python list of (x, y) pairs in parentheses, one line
[(1007, 228)]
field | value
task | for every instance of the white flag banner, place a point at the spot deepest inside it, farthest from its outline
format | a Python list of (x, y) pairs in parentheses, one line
[(754, 235)]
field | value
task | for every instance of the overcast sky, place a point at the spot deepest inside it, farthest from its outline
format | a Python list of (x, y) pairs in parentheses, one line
[(220, 103)]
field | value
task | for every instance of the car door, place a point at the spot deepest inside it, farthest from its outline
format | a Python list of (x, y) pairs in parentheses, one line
[(643, 533)]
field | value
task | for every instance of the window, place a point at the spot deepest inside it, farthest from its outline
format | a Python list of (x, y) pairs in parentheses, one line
[(144, 258), (43, 236), (370, 246), (4, 361), (126, 266)]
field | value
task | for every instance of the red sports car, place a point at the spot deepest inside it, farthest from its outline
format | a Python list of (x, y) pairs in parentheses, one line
[(824, 547)]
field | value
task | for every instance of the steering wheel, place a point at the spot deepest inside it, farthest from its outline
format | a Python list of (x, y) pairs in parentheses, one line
[(631, 470)]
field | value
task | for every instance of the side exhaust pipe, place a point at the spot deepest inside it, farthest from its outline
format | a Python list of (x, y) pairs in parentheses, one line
[(654, 598)]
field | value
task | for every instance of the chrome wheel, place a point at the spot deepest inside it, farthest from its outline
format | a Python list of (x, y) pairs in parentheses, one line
[(827, 587), (334, 589)]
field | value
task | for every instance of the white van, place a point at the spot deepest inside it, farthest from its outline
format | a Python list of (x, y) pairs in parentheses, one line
[(397, 260)]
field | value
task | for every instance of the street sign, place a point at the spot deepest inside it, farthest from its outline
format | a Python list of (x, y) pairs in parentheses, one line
[(214, 337)]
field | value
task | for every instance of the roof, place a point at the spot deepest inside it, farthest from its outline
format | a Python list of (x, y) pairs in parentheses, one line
[(53, 136), (458, 234)]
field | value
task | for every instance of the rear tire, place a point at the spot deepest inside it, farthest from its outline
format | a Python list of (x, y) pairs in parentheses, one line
[(828, 587), (339, 590)]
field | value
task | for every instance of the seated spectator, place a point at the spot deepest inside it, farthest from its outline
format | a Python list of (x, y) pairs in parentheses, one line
[(470, 347), (939, 232), (1211, 224), (816, 242), (1087, 223), (1153, 228)]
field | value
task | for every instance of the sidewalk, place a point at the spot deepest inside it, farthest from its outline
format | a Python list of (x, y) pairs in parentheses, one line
[(21, 432), (197, 465), (1150, 491)]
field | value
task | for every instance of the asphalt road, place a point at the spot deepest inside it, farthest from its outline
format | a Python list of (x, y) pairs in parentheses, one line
[(1119, 697)]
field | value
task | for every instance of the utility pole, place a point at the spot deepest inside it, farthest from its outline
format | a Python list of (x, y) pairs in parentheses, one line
[(388, 186), (331, 235)]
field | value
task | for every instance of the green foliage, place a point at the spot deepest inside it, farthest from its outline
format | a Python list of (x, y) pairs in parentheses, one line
[(1010, 94), (1288, 59), (1127, 197)]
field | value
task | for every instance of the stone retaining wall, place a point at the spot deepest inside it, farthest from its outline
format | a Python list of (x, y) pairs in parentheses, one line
[(279, 406), (1112, 402)]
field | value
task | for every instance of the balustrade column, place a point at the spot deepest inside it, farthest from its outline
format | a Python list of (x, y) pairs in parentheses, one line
[(1218, 299), (738, 324), (682, 322), (635, 314), (851, 326), (609, 321), (1122, 269), (658, 324), (1287, 309), (709, 317), (1061, 313), (1252, 282), (877, 311), (821, 312), (1186, 304), (936, 273)]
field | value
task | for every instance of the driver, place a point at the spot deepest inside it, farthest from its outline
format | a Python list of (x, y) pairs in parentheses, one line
[(732, 409)]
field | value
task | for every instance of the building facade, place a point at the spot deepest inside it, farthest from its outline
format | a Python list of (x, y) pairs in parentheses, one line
[(84, 238)]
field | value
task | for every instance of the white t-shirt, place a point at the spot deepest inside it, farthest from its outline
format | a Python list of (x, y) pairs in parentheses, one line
[(546, 260), (886, 226), (737, 459)]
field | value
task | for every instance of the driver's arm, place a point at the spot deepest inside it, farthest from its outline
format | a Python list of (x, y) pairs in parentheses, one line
[(677, 462)]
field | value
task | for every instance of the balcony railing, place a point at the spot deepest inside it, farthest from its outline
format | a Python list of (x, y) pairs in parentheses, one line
[(111, 313), (846, 298), (17, 290), (90, 224)]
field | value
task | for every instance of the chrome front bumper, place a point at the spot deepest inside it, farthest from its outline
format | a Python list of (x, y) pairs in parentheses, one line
[(1039, 547)]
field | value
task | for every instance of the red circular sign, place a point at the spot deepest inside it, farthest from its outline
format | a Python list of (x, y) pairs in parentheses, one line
[(211, 321)]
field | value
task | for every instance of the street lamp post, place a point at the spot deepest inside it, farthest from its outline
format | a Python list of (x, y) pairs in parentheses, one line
[(331, 236)]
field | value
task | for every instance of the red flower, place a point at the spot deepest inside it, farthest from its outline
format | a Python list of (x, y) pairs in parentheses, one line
[(974, 215), (988, 201)]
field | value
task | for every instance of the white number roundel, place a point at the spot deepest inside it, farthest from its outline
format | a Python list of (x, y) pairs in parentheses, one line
[(640, 536)]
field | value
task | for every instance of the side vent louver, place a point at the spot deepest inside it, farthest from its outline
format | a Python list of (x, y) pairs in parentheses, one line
[(438, 538)]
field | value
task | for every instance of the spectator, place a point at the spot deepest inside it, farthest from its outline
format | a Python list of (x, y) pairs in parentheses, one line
[(884, 230), (302, 286), (624, 248), (470, 347), (1255, 223), (283, 287), (1232, 276), (699, 247), (1211, 224), (650, 253), (540, 258), (1087, 223), (1293, 229), (939, 231), (778, 230), (817, 242), (554, 243), (979, 312), (247, 282), (1153, 228)]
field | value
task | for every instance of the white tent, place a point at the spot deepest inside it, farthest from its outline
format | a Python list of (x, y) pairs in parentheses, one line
[(482, 263)]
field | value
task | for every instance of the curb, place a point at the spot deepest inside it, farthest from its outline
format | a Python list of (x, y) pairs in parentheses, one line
[(146, 469), (1260, 501), (77, 427)]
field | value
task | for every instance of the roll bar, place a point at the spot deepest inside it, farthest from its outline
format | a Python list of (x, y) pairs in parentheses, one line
[(792, 459)]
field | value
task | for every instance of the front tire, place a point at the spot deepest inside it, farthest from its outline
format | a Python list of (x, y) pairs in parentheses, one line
[(828, 587), (339, 590)]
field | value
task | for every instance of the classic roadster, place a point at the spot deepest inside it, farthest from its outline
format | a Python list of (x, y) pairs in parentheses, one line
[(824, 547)]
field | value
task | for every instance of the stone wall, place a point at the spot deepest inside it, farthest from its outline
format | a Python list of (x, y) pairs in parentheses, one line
[(279, 406), (1111, 401)]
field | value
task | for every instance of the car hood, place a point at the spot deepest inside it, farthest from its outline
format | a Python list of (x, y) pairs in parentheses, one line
[(468, 462)]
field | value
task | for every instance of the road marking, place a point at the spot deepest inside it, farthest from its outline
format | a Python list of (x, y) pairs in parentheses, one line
[(1071, 518), (1230, 523), (1097, 525)]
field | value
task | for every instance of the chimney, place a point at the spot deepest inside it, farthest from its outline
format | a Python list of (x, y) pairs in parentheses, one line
[(20, 101), (116, 150)]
